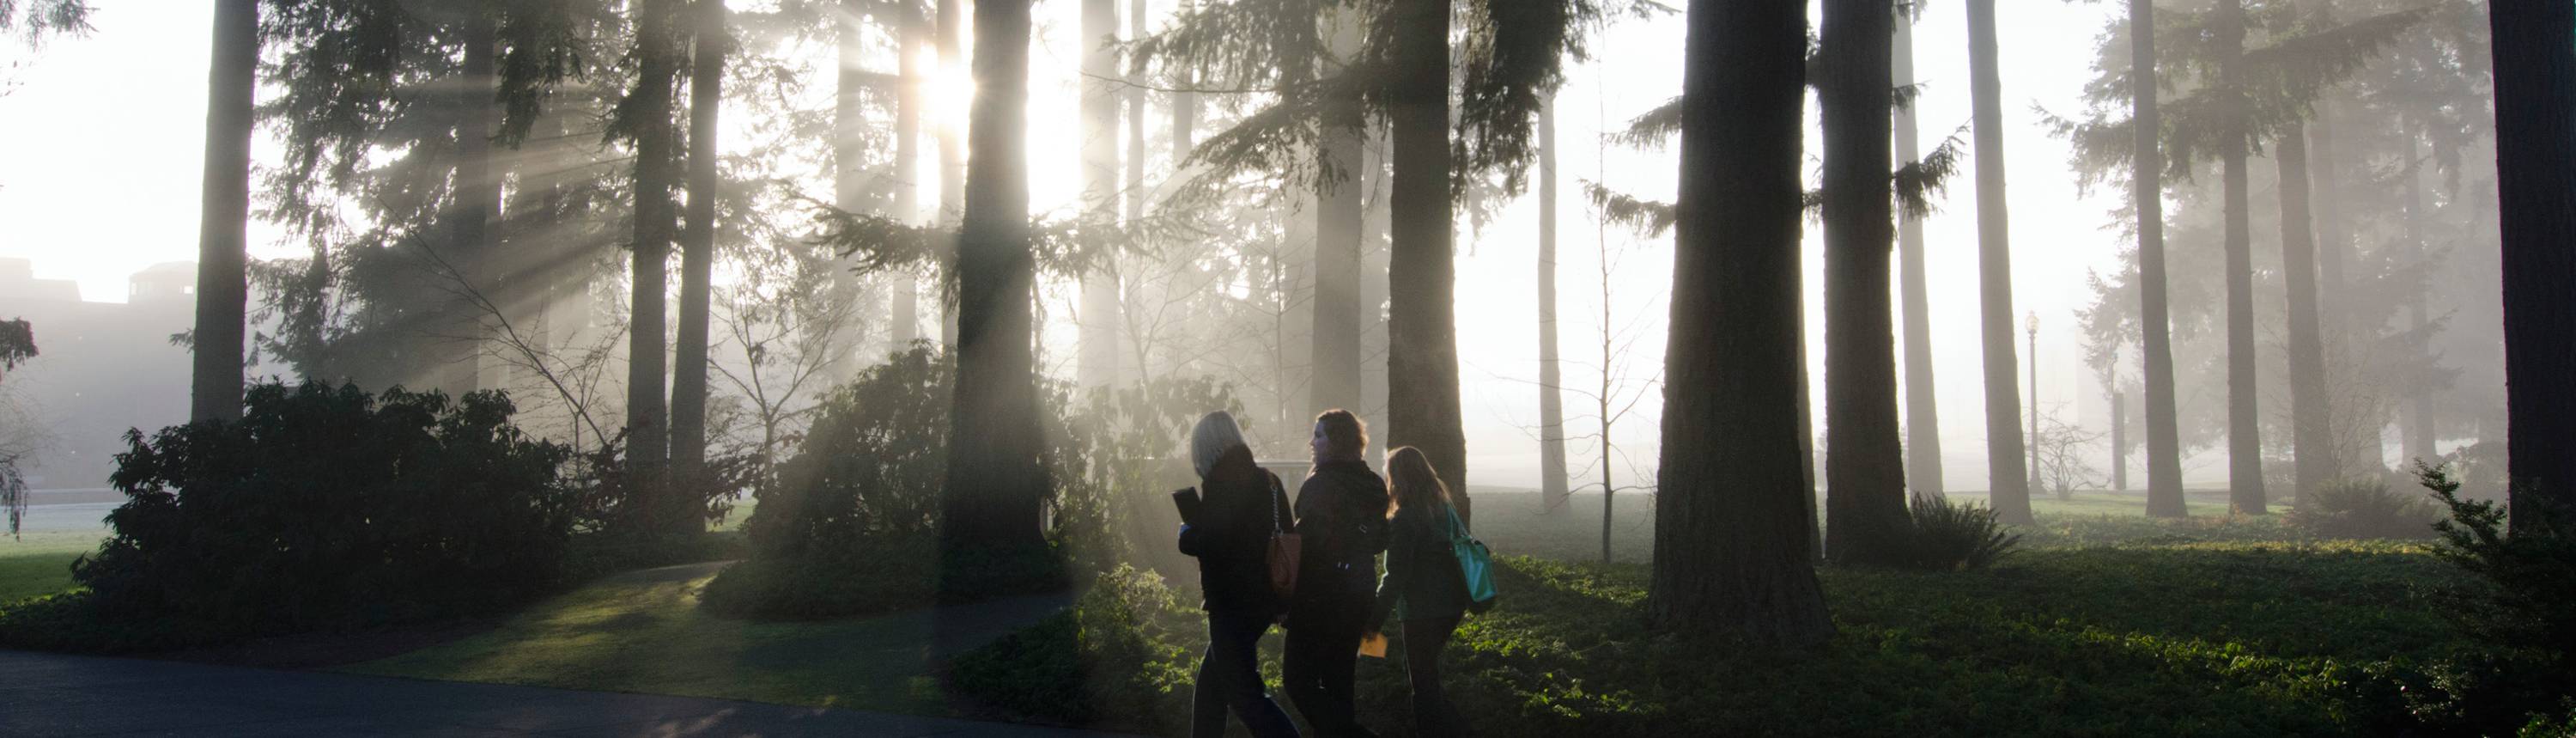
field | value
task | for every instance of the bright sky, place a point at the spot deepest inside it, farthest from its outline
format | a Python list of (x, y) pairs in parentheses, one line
[(99, 179)]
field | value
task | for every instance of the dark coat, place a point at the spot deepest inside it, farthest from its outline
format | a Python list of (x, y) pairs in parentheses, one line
[(1423, 580), (1232, 535), (1341, 515)]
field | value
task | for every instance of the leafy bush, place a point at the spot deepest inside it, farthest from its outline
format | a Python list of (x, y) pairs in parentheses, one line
[(2530, 574), (2363, 507), (850, 526), (1116, 656), (1956, 536), (326, 508)]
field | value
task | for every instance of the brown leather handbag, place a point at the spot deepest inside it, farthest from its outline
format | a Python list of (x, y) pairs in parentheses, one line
[(1285, 547)]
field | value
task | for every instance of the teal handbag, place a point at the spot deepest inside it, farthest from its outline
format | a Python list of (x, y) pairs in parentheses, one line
[(1474, 562)]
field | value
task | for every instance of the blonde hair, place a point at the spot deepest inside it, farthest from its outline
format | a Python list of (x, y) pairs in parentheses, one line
[(1215, 433)]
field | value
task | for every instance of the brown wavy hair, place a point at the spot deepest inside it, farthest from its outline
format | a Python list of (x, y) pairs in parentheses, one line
[(1348, 435), (1412, 481)]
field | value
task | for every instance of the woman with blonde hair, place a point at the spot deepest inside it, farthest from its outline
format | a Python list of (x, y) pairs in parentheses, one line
[(1425, 589), (1240, 505)]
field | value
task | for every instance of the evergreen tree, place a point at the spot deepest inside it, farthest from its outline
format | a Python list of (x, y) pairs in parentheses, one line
[(996, 487), (2008, 484), (1922, 411), (223, 288), (697, 255), (1865, 518), (2535, 108), (1732, 529), (645, 117)]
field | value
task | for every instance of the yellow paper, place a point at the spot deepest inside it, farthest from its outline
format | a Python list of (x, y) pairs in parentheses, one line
[(1373, 645)]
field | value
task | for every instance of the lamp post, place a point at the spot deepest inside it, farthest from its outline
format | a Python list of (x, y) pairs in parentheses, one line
[(2031, 326)]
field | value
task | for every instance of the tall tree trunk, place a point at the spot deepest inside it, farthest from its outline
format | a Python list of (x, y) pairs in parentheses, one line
[(1553, 486), (2146, 190), (1922, 412), (1339, 308), (996, 486), (849, 157), (2244, 411), (906, 307), (647, 429), (478, 194), (2418, 437), (2334, 239), (1422, 333), (1865, 520), (697, 264), (2007, 482), (2312, 427), (2535, 100), (223, 221), (1098, 354), (1731, 540), (952, 152), (2119, 441)]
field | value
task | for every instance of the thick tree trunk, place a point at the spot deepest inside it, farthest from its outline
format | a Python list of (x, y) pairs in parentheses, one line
[(2244, 410), (2146, 185), (2312, 427), (2535, 100), (1422, 334), (996, 485), (697, 263), (1098, 353), (1731, 540), (1922, 412), (647, 428), (1339, 308), (906, 300), (2334, 240), (849, 158), (1865, 520), (223, 221), (1553, 486), (2008, 483)]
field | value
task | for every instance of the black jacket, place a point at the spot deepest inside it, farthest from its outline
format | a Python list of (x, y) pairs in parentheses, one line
[(1232, 535), (1341, 515)]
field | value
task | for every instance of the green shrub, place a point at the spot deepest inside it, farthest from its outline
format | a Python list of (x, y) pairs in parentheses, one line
[(324, 508), (2529, 574), (1116, 658), (2363, 507), (1956, 536)]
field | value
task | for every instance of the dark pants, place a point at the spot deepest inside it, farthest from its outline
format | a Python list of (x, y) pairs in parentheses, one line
[(1322, 652), (1230, 677), (1423, 641)]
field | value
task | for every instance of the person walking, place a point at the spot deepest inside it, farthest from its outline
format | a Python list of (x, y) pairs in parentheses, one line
[(1425, 589), (1241, 505), (1341, 517)]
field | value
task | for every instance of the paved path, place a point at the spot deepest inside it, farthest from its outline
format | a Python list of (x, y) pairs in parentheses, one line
[(56, 695)]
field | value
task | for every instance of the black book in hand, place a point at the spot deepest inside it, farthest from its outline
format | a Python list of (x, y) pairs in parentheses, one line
[(1186, 499)]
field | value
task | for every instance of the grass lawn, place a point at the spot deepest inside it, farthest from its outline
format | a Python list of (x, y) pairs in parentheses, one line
[(643, 632), (40, 562)]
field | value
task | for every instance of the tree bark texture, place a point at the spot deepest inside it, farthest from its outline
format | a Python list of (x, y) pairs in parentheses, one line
[(647, 423), (996, 486), (2535, 100), (1553, 485), (2244, 410), (223, 218), (1732, 542), (2311, 421), (2007, 482), (697, 260), (2146, 190), (1422, 333), (1865, 519)]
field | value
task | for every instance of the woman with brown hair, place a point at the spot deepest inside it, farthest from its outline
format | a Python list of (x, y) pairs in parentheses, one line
[(1424, 587), (1341, 519)]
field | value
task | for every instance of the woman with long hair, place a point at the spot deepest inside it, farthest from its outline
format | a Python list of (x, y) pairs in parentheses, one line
[(1424, 587), (1240, 505), (1341, 520)]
